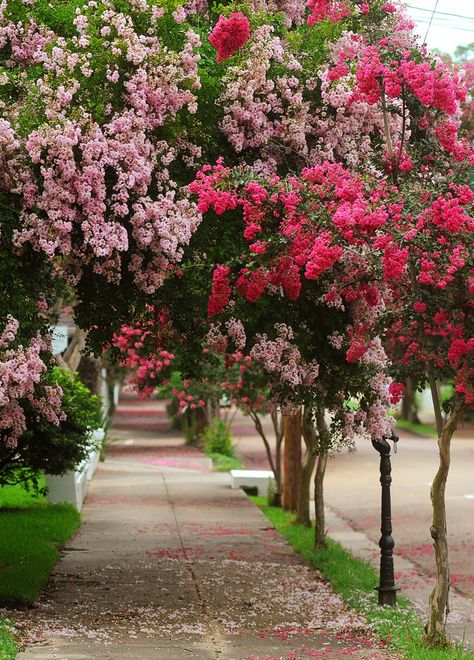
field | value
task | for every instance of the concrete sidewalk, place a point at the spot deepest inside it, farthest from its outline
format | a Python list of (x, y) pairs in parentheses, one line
[(170, 563)]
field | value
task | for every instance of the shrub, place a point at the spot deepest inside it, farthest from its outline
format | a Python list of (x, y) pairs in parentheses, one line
[(45, 447), (218, 439)]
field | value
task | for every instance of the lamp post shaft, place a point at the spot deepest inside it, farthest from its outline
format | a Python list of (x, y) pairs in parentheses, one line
[(387, 589)]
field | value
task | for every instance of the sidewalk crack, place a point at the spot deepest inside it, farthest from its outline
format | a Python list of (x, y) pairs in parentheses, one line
[(211, 626)]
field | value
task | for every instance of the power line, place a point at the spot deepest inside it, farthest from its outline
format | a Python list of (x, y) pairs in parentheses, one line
[(431, 20), (442, 13), (446, 20), (450, 27), (444, 25)]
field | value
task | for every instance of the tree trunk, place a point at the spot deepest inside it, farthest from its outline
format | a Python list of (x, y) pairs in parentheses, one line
[(320, 523), (408, 411), (278, 427), (436, 635), (72, 356), (89, 371), (303, 514), (292, 462), (309, 435), (213, 409)]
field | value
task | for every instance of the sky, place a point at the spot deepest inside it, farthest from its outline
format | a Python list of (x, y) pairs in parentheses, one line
[(446, 31)]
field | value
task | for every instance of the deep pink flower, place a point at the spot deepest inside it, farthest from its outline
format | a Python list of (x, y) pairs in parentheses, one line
[(230, 34), (221, 290), (396, 391), (419, 307)]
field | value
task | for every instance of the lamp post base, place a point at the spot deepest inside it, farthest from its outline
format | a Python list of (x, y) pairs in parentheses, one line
[(387, 596)]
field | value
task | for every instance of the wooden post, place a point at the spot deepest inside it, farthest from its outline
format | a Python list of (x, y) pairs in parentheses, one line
[(292, 462)]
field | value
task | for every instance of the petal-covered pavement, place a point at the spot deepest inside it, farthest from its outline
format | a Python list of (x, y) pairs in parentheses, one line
[(171, 563)]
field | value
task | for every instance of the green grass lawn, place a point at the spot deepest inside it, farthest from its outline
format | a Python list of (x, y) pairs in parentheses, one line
[(420, 429), (354, 580), (32, 533)]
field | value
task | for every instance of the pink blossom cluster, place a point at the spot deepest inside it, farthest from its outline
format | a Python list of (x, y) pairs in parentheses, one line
[(95, 187), (21, 372), (280, 210), (366, 86), (461, 357), (236, 332), (282, 359), (259, 108), (379, 425)]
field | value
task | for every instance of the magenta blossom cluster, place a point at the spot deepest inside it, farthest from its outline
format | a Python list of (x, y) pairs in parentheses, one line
[(230, 35), (142, 350)]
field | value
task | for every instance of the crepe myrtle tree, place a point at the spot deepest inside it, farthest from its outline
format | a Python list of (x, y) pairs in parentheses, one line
[(76, 167), (96, 104), (199, 386), (401, 262), (425, 243), (247, 388), (306, 294), (155, 357), (430, 334)]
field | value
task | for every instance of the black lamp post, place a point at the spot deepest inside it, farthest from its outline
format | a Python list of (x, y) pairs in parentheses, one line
[(387, 588)]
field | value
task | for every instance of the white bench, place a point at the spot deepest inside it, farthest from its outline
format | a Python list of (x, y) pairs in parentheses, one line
[(259, 479)]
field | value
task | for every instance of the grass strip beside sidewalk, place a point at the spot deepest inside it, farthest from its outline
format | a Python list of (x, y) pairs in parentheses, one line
[(32, 533), (354, 580), (8, 646), (422, 430)]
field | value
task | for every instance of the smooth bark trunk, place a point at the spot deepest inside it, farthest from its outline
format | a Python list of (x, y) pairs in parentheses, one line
[(436, 635), (320, 523), (279, 430), (303, 516), (72, 356), (213, 410), (310, 439), (408, 411), (292, 462)]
